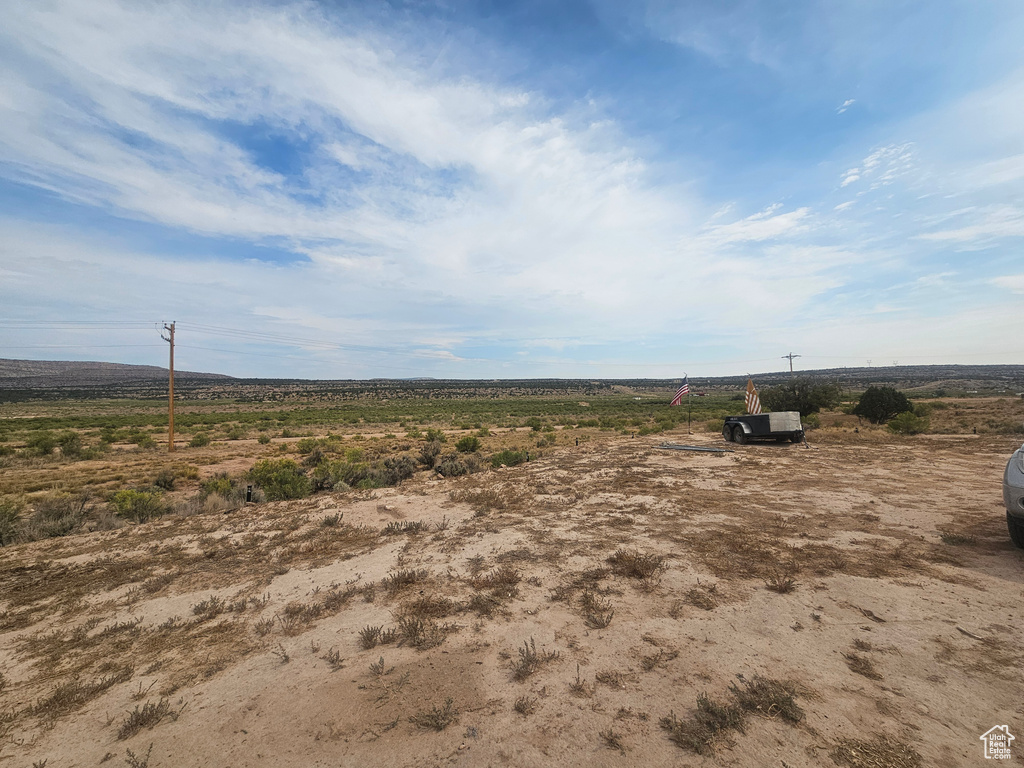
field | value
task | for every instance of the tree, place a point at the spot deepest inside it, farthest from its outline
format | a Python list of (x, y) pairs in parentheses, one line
[(881, 404), (804, 395)]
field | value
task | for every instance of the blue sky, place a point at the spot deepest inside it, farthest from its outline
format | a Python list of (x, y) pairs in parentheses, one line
[(476, 190)]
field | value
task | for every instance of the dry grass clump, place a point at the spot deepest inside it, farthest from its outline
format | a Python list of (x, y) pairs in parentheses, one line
[(483, 605), (530, 660), (135, 761), (714, 721), (423, 633), (597, 613), (334, 659), (404, 527), (482, 499), (148, 715), (709, 723), (862, 665), (369, 636), (769, 698), (429, 607), (209, 608), (524, 705), (67, 697), (612, 678), (580, 687), (395, 582), (655, 660), (296, 617), (781, 581), (703, 598), (880, 752), (612, 740), (505, 578), (647, 568), (437, 718)]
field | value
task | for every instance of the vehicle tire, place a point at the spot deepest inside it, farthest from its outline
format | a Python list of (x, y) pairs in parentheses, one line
[(739, 436), (798, 437), (727, 433), (1016, 527)]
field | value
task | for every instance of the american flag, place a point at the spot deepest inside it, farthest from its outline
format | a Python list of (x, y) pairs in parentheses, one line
[(752, 400), (683, 390)]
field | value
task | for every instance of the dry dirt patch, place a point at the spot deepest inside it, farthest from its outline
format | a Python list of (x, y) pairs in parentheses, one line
[(604, 603)]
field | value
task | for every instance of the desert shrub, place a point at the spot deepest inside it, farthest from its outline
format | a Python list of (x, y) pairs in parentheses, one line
[(237, 432), (220, 485), (399, 468), (144, 441), (199, 440), (9, 522), (41, 443), (468, 444), (924, 410), (811, 421), (164, 480), (908, 423), (508, 457), (263, 439), (714, 426), (55, 515), (429, 453), (337, 474), (436, 434), (451, 465), (331, 474), (280, 479), (804, 394), (70, 444), (534, 423), (324, 445), (881, 404), (136, 505)]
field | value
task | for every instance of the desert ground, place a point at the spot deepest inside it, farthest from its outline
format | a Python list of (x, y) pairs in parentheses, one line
[(853, 602)]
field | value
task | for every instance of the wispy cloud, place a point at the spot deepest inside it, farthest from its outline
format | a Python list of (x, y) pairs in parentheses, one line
[(442, 218), (845, 106), (1012, 283)]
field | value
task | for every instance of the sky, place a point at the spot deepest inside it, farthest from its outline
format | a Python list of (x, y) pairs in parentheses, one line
[(591, 189)]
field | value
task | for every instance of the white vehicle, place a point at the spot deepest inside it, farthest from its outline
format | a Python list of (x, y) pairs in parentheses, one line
[(1013, 496)]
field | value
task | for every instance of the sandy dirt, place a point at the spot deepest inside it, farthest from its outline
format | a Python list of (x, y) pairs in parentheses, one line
[(521, 637)]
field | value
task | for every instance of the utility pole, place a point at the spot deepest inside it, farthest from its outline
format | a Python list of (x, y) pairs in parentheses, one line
[(790, 357), (170, 389)]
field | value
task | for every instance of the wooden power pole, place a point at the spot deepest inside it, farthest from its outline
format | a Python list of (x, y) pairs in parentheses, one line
[(170, 390), (790, 356)]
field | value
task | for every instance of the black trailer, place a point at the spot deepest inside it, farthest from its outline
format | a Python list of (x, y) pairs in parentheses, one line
[(778, 425)]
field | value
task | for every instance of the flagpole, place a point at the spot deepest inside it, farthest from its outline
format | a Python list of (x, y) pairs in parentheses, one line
[(687, 380)]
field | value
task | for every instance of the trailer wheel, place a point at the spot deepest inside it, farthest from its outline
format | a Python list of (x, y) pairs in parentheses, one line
[(727, 433), (798, 437), (739, 436)]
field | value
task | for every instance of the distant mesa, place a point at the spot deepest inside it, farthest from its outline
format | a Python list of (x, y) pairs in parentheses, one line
[(26, 374)]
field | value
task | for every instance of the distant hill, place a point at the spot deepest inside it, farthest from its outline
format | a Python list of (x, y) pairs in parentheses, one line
[(29, 374), (43, 379)]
